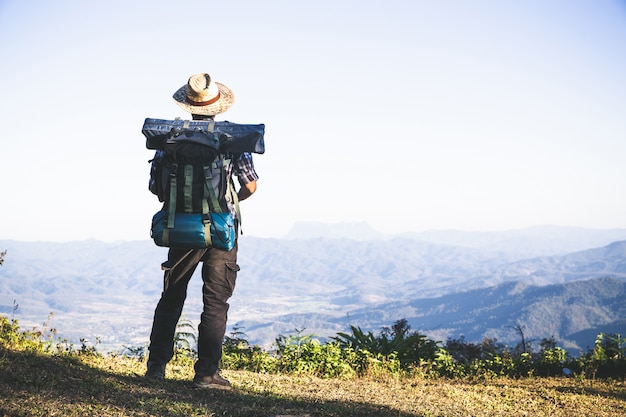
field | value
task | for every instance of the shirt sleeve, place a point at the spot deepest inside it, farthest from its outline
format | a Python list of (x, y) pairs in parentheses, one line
[(244, 169)]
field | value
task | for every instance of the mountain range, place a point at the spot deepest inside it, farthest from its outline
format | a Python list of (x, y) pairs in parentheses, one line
[(566, 283)]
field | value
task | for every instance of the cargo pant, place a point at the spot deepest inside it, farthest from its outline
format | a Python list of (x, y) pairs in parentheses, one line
[(219, 273)]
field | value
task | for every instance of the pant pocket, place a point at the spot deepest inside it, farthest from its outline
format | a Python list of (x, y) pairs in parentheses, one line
[(231, 275)]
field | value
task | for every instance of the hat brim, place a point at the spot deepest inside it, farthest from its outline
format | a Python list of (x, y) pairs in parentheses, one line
[(226, 100)]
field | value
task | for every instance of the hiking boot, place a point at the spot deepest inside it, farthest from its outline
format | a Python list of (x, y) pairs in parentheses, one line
[(212, 382), (156, 371)]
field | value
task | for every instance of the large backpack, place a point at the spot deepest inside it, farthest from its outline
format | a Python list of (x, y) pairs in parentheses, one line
[(189, 174)]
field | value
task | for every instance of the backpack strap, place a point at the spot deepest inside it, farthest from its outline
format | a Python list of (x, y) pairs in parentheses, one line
[(187, 187), (209, 190), (206, 221), (171, 210), (171, 214), (173, 190), (235, 199), (211, 193)]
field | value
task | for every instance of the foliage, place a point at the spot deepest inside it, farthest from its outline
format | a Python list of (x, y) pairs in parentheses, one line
[(40, 339), (185, 339), (9, 332), (551, 359), (398, 351), (395, 351), (306, 355), (409, 347), (607, 359), (239, 354)]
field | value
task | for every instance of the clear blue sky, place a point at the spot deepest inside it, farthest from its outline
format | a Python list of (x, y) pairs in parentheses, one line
[(409, 115)]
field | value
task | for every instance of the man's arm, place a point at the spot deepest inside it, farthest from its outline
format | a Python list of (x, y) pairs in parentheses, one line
[(246, 190)]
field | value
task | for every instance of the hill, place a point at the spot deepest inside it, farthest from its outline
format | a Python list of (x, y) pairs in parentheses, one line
[(36, 384), (575, 313), (109, 290)]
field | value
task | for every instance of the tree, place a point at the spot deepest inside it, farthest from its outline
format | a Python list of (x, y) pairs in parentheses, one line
[(185, 339), (464, 352), (237, 339), (2, 255), (525, 346)]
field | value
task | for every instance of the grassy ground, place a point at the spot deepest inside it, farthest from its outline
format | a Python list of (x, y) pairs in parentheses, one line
[(35, 384)]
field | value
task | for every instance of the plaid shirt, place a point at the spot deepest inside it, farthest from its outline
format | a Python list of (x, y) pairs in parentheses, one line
[(243, 168)]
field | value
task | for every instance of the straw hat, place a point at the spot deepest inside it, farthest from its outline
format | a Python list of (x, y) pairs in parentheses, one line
[(202, 95)]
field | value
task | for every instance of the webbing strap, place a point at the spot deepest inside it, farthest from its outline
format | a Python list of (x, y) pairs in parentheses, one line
[(187, 188), (227, 183), (171, 207), (205, 203), (206, 216), (166, 237), (235, 197), (209, 190), (206, 219), (172, 203)]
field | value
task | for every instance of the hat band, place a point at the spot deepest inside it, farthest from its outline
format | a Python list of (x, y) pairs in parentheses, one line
[(203, 103)]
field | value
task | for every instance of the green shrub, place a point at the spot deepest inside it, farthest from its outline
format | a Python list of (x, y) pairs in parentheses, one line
[(9, 332), (395, 353), (408, 347)]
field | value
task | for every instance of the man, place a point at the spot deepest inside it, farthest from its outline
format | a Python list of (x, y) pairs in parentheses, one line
[(203, 98)]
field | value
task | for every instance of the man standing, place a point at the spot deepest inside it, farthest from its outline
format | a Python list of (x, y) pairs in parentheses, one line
[(203, 98)]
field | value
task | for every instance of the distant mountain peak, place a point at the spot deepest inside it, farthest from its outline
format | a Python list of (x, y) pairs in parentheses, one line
[(342, 230)]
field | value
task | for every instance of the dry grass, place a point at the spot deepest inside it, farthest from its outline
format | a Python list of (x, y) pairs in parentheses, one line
[(34, 384)]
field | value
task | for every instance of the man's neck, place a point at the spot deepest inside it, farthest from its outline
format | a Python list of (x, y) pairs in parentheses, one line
[(201, 117)]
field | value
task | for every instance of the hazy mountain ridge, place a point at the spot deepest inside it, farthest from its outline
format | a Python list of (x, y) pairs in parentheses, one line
[(321, 284), (592, 263), (562, 310)]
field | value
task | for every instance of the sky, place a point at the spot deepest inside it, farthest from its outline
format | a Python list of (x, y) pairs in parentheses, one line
[(408, 115)]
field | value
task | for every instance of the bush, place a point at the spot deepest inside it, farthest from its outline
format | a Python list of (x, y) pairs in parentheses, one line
[(9, 332), (395, 352)]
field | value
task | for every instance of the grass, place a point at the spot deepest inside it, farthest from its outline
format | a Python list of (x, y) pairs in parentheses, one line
[(33, 383)]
